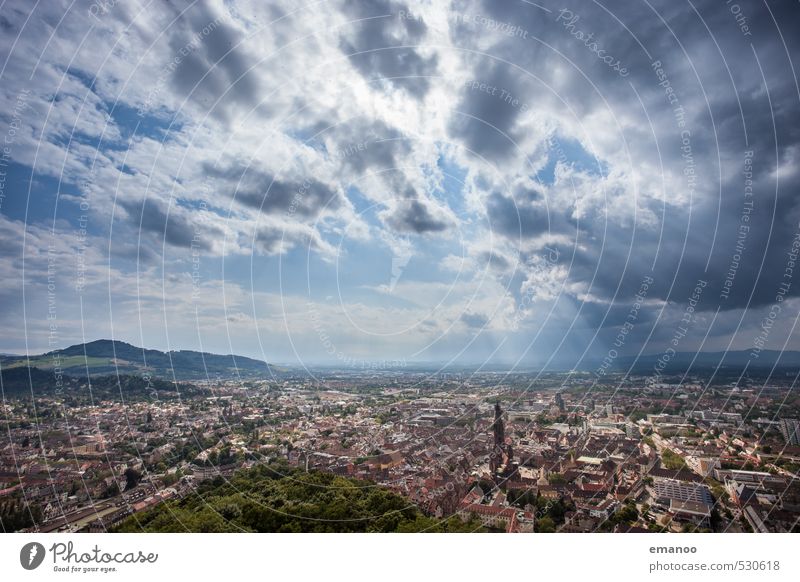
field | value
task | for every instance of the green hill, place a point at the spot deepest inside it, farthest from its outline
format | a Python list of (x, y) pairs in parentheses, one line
[(111, 357), (281, 499)]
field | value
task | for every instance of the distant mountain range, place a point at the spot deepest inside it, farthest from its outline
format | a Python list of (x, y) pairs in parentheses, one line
[(725, 363), (737, 359), (111, 357), (731, 362)]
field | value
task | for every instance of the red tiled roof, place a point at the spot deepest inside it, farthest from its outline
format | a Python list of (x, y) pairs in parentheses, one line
[(480, 509)]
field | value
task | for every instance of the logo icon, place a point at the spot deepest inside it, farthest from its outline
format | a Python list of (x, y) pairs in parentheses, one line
[(31, 555)]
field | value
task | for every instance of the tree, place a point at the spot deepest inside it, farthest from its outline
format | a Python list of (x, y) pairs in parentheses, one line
[(132, 478), (627, 514), (545, 525), (16, 515), (169, 479), (672, 460), (305, 502), (111, 490)]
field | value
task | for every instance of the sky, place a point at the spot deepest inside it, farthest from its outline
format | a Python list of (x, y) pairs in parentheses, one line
[(381, 183)]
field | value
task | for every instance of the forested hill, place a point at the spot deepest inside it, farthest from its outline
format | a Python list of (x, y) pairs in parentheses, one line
[(104, 357), (282, 499)]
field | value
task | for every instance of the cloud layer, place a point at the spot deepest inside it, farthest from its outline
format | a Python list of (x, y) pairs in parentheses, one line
[(399, 180)]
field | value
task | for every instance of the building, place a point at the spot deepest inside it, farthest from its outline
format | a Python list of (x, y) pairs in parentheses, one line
[(703, 465), (665, 491), (694, 512), (790, 429), (559, 402), (501, 455), (507, 518), (664, 418)]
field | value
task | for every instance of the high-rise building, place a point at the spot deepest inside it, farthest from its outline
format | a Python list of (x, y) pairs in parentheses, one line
[(559, 401), (501, 457), (790, 429), (499, 427)]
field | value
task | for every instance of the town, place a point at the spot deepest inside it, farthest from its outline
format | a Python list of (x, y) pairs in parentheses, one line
[(513, 452)]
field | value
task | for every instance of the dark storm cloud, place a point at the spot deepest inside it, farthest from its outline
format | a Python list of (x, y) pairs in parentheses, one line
[(299, 199), (373, 148), (485, 119), (723, 96), (175, 228), (380, 44), (368, 146), (525, 214), (414, 216), (306, 199), (130, 252), (268, 240), (5, 24), (746, 266), (209, 64), (273, 239)]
